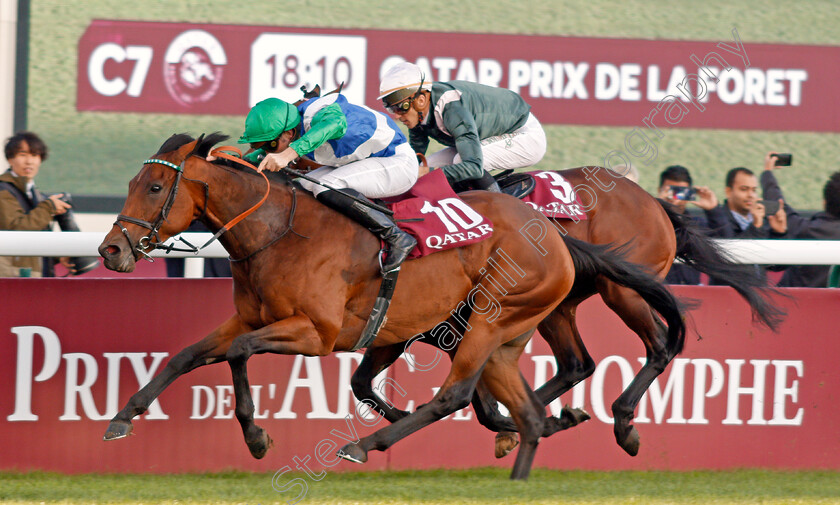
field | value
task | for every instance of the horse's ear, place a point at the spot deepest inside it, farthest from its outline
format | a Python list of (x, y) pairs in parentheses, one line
[(187, 150), (197, 145), (314, 93)]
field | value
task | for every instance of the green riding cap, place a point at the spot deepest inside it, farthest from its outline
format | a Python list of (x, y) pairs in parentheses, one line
[(268, 119)]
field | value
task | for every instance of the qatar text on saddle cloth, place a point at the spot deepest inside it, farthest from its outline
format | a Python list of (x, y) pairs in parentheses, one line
[(554, 197), (437, 217)]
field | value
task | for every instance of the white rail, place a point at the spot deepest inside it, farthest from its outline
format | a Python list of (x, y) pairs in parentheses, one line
[(769, 252), (36, 243)]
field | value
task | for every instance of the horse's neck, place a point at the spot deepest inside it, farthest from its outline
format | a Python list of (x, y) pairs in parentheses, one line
[(236, 192)]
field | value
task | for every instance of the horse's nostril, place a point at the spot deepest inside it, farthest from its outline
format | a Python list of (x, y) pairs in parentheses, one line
[(112, 250)]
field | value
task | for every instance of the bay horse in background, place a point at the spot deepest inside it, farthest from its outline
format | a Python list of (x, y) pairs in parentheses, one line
[(293, 293), (654, 234)]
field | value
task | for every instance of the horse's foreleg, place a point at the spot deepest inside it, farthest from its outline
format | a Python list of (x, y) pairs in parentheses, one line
[(294, 335), (210, 349), (374, 361), (638, 316)]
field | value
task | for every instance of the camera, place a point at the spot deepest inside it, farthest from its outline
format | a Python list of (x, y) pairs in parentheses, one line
[(67, 222), (683, 193), (783, 159)]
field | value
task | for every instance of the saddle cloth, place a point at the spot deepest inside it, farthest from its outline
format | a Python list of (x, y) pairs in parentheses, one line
[(554, 196), (437, 217)]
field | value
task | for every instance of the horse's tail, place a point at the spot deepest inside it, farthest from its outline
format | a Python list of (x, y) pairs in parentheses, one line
[(697, 250), (591, 260)]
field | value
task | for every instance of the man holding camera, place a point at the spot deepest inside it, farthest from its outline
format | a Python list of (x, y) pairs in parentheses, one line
[(742, 214), (23, 207), (675, 187)]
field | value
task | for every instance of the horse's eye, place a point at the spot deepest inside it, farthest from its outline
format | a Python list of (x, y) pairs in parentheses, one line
[(156, 188)]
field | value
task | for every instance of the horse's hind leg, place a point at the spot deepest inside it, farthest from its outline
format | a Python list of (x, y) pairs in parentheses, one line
[(637, 315), (211, 349), (574, 364), (503, 379)]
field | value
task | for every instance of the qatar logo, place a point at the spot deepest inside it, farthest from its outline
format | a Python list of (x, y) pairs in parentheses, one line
[(193, 67)]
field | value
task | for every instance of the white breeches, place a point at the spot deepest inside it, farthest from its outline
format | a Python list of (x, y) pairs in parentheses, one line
[(373, 177), (523, 147)]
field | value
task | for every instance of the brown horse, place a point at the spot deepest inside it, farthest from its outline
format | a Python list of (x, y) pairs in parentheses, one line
[(619, 212), (294, 294)]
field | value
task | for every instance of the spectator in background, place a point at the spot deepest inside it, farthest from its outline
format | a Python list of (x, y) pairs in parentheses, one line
[(742, 215), (823, 225), (23, 207), (677, 176)]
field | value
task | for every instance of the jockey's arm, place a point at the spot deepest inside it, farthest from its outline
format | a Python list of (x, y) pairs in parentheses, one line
[(418, 139), (328, 123), (461, 125)]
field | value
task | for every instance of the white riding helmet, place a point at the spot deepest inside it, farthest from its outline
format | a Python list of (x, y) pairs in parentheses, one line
[(400, 82)]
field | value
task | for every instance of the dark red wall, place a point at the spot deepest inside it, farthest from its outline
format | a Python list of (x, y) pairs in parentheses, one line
[(791, 426)]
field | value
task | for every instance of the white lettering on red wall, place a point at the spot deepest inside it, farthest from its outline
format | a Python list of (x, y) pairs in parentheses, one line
[(224, 69)]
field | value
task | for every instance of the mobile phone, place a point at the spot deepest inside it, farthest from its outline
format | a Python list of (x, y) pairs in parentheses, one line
[(783, 160), (685, 193), (770, 206)]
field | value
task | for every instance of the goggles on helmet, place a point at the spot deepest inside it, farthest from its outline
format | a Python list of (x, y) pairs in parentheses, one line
[(399, 102)]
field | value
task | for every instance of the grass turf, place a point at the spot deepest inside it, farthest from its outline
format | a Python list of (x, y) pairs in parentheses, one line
[(486, 485)]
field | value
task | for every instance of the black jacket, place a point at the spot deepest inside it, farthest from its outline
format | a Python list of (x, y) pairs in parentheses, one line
[(722, 224), (821, 226)]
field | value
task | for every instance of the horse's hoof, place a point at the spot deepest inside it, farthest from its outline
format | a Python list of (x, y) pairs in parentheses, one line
[(575, 416), (117, 430), (352, 452), (506, 442), (631, 442), (260, 446)]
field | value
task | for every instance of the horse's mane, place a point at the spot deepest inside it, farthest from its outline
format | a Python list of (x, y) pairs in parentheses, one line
[(206, 142), (202, 149)]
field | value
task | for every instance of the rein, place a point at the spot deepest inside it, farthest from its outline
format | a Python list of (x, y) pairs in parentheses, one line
[(152, 241)]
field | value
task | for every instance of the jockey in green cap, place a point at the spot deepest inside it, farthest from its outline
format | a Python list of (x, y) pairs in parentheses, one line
[(363, 153), (485, 128)]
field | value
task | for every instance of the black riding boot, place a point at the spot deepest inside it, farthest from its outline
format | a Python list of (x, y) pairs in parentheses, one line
[(487, 182), (400, 243)]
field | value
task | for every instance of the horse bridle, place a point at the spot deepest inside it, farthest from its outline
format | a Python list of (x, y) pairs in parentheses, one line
[(152, 241)]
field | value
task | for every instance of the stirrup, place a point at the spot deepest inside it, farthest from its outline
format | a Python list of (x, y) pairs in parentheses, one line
[(396, 244), (382, 253), (378, 315)]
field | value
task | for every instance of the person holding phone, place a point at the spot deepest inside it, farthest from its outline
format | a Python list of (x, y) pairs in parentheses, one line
[(742, 215), (824, 225), (773, 202)]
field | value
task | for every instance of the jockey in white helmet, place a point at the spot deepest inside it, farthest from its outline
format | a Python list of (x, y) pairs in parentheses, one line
[(485, 128)]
